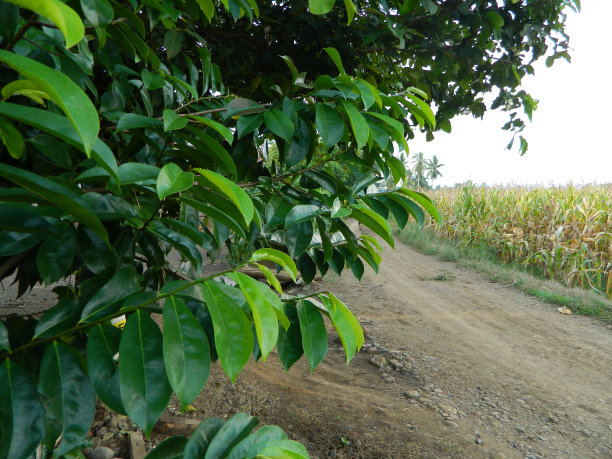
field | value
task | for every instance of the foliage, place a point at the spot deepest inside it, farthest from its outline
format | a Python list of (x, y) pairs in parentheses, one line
[(214, 438), (131, 131), (565, 233)]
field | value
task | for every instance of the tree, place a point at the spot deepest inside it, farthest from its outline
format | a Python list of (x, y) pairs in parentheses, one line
[(433, 168), (132, 130), (419, 171)]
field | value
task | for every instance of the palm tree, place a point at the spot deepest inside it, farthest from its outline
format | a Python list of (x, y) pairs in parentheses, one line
[(419, 168), (433, 168)]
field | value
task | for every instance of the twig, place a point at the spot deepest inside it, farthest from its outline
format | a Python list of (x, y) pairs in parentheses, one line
[(24, 28)]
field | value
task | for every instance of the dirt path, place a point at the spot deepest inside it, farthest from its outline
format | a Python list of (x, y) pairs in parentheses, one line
[(526, 380), (453, 366)]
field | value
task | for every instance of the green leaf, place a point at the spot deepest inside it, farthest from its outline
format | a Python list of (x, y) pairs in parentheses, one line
[(337, 211), (170, 448), (260, 436), (330, 125), (102, 346), (145, 391), (186, 351), (270, 278), (233, 336), (134, 121), (299, 147), (264, 317), (365, 181), (58, 319), (343, 326), (351, 318), (290, 341), (98, 12), (9, 19), (278, 257), (207, 8), (107, 300), (277, 209), (172, 121), (224, 131), (186, 247), (351, 10), (137, 173), (53, 149), (320, 6), (60, 127), (424, 202), (335, 56), (292, 68), (229, 189), (425, 109), (64, 17), (373, 221), (399, 213), (56, 194), (360, 127), (279, 448), (172, 179), (22, 419), (430, 6), (67, 396), (328, 248), (63, 91), (231, 433), (215, 151), (302, 213), (11, 138), (55, 255), (298, 238), (173, 42), (248, 123), (308, 268), (4, 338), (242, 106), (279, 124), (314, 335), (495, 19), (201, 438)]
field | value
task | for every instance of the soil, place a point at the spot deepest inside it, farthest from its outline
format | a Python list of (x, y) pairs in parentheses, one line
[(453, 366)]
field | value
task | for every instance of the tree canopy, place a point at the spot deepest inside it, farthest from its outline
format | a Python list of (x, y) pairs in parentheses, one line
[(135, 130)]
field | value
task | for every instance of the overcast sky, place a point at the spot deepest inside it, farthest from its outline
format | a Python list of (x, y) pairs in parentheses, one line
[(570, 136)]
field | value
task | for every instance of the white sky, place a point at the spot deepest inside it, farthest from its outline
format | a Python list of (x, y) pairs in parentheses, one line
[(570, 136)]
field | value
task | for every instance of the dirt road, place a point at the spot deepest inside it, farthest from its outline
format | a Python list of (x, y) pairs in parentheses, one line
[(453, 366), (526, 380)]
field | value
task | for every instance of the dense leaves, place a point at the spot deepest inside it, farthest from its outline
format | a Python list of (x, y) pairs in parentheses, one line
[(138, 141)]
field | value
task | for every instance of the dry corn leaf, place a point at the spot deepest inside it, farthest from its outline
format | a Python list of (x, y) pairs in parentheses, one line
[(564, 310)]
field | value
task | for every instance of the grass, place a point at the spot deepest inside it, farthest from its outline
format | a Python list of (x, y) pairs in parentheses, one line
[(483, 260)]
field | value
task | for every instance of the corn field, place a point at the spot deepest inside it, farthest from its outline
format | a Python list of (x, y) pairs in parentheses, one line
[(565, 233)]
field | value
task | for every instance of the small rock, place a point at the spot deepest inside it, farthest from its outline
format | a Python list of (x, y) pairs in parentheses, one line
[(111, 422), (101, 452), (384, 375), (498, 455), (413, 394), (390, 379), (377, 360), (519, 429), (478, 441), (396, 364), (424, 400), (448, 409), (452, 424)]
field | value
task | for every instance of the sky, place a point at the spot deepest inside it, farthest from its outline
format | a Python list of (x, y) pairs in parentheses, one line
[(570, 135)]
